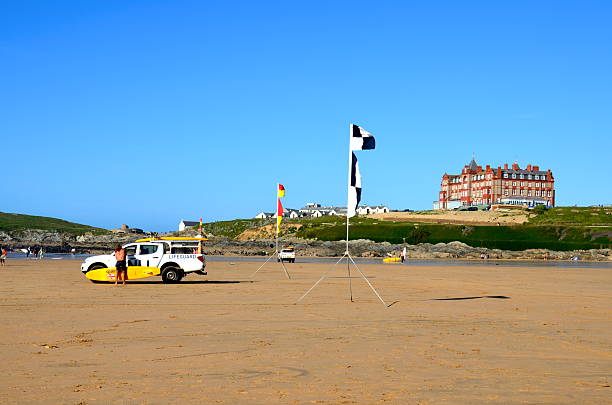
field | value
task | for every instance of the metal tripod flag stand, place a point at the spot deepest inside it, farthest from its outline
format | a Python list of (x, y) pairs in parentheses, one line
[(360, 139), (280, 192)]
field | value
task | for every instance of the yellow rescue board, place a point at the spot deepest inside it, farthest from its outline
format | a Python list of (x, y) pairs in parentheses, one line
[(392, 260), (170, 238), (133, 273)]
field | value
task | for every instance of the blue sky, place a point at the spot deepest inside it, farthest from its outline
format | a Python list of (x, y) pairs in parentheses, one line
[(148, 112)]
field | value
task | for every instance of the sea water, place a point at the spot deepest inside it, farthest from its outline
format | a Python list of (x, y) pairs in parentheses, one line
[(360, 260)]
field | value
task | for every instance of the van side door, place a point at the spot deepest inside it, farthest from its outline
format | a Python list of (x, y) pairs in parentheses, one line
[(150, 254)]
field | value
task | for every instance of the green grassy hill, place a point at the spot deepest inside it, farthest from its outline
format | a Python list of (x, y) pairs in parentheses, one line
[(562, 228), (518, 237), (20, 222), (586, 216), (233, 228)]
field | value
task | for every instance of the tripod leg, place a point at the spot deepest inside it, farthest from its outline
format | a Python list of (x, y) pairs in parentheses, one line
[(367, 281), (284, 268), (264, 263), (348, 269), (321, 279)]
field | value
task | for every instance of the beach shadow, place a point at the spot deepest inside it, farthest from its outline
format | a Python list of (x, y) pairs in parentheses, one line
[(138, 282), (499, 297)]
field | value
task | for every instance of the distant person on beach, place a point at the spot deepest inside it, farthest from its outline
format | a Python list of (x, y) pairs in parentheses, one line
[(3, 257), (27, 252), (120, 266), (403, 255), (40, 253), (34, 252)]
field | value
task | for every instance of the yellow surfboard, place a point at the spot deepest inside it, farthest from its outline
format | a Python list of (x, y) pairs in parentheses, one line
[(392, 259), (170, 238), (133, 273)]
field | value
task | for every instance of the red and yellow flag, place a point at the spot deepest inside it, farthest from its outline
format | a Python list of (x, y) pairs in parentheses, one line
[(279, 215), (281, 191), (200, 242)]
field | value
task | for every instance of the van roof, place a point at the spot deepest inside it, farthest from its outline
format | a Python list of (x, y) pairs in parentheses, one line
[(171, 238)]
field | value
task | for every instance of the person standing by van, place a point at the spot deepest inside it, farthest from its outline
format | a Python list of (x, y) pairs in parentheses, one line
[(121, 265)]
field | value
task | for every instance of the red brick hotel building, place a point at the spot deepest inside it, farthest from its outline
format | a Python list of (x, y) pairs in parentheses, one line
[(514, 186)]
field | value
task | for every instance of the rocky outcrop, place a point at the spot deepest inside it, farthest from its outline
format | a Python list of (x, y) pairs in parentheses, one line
[(60, 242), (369, 249), (95, 243)]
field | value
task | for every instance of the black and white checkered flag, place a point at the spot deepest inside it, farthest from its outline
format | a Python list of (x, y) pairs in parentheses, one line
[(354, 189), (360, 140)]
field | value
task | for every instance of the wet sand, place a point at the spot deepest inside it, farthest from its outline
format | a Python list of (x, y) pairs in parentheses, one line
[(454, 334)]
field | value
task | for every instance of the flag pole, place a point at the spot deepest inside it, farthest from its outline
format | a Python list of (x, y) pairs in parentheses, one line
[(276, 251), (277, 224), (349, 259), (348, 188)]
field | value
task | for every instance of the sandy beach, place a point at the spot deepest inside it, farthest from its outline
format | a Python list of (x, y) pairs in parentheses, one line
[(454, 334)]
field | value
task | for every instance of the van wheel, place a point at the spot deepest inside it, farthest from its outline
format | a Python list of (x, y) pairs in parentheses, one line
[(172, 275)]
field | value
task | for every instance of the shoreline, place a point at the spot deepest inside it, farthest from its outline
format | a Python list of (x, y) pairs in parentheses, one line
[(444, 262)]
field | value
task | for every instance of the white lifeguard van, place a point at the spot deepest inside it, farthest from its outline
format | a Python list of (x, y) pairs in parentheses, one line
[(172, 258), (287, 254)]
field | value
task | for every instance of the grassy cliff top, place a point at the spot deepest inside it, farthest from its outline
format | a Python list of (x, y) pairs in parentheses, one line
[(587, 216), (19, 222)]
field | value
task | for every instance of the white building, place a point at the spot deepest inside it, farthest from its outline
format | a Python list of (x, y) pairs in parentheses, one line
[(290, 213), (450, 205), (316, 210), (524, 201), (185, 224), (264, 215)]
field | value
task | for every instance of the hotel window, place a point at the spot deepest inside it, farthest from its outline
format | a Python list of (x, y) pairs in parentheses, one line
[(549, 193), (514, 175), (524, 192), (537, 184), (529, 177), (529, 193), (543, 177), (537, 177), (514, 183), (521, 176), (505, 175)]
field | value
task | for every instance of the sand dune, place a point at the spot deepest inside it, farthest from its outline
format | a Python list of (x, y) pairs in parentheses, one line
[(489, 334), (500, 217)]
